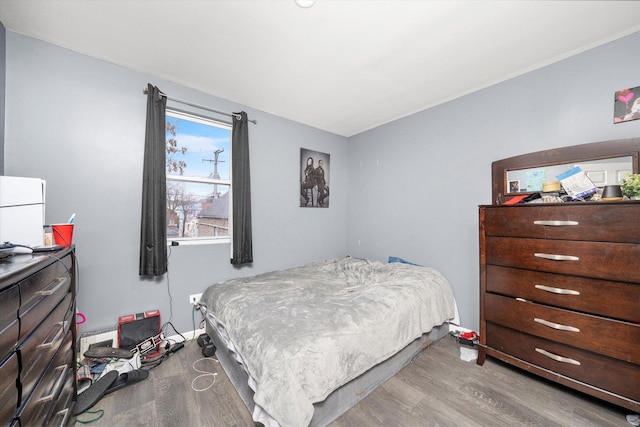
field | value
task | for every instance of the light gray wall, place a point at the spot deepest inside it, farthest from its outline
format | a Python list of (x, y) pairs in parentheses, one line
[(3, 36), (78, 123), (415, 184)]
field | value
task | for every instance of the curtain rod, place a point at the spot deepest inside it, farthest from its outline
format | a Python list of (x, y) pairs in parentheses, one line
[(202, 107)]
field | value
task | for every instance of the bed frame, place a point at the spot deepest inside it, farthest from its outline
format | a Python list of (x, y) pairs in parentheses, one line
[(341, 399)]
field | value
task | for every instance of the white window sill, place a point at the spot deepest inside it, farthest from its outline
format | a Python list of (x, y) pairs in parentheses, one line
[(196, 242)]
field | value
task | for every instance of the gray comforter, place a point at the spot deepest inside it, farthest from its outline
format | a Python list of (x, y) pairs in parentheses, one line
[(303, 332)]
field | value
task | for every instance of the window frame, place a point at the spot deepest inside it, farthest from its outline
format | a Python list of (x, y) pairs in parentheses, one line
[(207, 121)]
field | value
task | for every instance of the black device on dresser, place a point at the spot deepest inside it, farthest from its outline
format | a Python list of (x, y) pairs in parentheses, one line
[(37, 338), (560, 283)]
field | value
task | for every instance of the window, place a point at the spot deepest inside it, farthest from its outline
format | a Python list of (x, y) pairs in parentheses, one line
[(198, 178)]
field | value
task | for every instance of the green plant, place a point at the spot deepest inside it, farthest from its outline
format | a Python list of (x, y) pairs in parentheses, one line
[(631, 185)]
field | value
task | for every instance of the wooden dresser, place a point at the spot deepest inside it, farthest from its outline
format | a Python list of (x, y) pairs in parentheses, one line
[(37, 339), (560, 294)]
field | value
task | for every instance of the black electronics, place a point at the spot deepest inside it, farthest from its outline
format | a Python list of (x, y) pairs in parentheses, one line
[(134, 329), (51, 248)]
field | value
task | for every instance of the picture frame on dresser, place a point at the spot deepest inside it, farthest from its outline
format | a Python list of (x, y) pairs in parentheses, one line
[(557, 296)]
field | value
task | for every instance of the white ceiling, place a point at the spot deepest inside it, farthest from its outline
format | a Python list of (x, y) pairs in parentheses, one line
[(341, 66)]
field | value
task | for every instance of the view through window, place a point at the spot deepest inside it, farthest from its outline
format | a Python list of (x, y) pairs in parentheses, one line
[(198, 177)]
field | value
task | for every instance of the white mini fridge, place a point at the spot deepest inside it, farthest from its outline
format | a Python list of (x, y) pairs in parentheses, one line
[(22, 205)]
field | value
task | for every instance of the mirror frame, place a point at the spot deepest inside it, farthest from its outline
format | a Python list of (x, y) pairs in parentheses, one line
[(557, 156)]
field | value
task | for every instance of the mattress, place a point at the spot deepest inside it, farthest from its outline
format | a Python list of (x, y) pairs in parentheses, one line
[(340, 400), (303, 333)]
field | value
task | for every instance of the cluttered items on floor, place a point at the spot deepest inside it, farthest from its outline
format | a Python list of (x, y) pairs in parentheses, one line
[(108, 369), (468, 341), (105, 369)]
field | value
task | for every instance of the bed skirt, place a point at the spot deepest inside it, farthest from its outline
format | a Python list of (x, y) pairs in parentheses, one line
[(341, 399)]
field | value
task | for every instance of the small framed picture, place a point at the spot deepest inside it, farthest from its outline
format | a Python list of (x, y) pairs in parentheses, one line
[(514, 186), (626, 105)]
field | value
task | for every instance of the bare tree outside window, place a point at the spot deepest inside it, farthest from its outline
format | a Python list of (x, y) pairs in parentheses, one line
[(198, 178)]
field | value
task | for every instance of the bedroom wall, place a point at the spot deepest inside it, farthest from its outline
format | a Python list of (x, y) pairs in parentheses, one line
[(78, 122), (3, 35), (415, 184)]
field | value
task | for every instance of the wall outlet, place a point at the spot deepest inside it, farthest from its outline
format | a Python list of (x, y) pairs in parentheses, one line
[(194, 298)]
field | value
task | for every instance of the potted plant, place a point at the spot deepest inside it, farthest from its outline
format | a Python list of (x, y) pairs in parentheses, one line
[(631, 186)]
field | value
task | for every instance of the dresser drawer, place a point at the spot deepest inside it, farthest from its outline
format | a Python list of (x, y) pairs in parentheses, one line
[(9, 328), (39, 405), (572, 292), (616, 339), (8, 389), (8, 338), (611, 261), (41, 292), (37, 350), (61, 413), (613, 375), (581, 221)]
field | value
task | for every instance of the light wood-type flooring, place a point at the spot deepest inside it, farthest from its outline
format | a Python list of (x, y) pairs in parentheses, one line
[(436, 389)]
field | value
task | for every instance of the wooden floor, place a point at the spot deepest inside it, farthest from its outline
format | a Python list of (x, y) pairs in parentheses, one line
[(436, 389)]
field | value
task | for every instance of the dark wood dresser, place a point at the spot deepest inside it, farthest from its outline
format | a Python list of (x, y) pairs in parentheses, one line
[(37, 339), (560, 294)]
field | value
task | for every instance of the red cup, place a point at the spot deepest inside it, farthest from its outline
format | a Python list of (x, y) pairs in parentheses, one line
[(62, 234)]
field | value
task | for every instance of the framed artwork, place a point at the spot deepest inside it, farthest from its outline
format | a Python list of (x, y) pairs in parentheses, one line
[(514, 186), (314, 179), (626, 105)]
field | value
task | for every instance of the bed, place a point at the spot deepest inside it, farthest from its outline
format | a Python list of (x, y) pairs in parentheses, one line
[(305, 344)]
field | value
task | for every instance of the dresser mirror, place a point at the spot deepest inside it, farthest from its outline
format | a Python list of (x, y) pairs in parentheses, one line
[(602, 172), (604, 162)]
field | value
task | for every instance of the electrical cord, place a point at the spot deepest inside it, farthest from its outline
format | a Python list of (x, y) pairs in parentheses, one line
[(204, 374), (202, 308), (152, 363), (100, 413), (166, 324), (169, 288), (193, 319)]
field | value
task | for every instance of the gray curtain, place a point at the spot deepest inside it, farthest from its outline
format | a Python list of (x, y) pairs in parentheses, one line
[(242, 250), (153, 232)]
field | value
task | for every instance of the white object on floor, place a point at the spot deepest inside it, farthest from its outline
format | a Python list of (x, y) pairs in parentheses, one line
[(468, 354), (634, 420), (123, 365)]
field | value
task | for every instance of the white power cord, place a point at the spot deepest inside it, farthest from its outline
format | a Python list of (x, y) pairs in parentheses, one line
[(204, 374)]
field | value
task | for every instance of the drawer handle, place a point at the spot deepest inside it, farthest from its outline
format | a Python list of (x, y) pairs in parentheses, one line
[(64, 416), (45, 293), (555, 223), (53, 338), (556, 326), (556, 257), (557, 358), (557, 290), (57, 386)]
